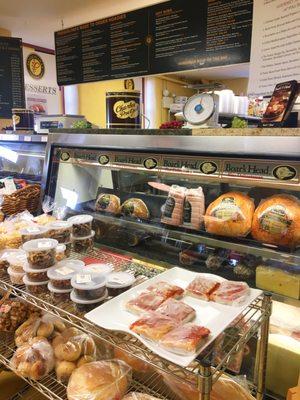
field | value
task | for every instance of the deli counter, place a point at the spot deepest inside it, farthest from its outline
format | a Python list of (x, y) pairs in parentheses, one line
[(222, 205)]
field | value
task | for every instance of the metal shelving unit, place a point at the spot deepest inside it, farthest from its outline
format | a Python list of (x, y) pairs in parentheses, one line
[(202, 372)]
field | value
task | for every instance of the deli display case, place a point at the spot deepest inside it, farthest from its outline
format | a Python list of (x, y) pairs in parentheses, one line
[(222, 205)]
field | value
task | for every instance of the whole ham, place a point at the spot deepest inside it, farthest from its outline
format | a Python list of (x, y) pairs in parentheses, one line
[(194, 208), (173, 208)]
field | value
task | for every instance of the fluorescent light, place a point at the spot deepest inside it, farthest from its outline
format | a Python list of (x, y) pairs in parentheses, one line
[(8, 154)]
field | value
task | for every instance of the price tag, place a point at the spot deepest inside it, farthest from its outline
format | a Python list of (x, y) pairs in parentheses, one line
[(44, 138), (5, 308), (83, 278), (64, 271)]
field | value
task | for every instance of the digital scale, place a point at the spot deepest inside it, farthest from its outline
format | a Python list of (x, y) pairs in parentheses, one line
[(202, 109)]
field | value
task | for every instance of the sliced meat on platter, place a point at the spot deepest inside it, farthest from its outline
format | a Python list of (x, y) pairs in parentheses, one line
[(202, 287), (184, 339), (230, 293), (166, 290), (177, 310), (153, 326)]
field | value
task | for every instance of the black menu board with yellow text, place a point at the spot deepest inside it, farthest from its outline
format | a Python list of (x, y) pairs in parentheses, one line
[(12, 92), (172, 36)]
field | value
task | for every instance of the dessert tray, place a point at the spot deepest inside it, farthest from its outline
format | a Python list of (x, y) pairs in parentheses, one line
[(216, 317)]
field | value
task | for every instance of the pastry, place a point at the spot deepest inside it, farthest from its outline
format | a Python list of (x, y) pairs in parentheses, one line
[(146, 301), (201, 287), (230, 292), (135, 208), (64, 369), (166, 290), (153, 326), (99, 380), (184, 339), (172, 211), (177, 310), (230, 215), (108, 203), (277, 221)]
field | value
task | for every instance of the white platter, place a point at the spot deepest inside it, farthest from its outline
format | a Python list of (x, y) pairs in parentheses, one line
[(216, 317)]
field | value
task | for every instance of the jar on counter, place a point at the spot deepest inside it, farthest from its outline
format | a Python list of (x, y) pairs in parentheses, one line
[(84, 244), (82, 225), (36, 275), (61, 274), (60, 231), (59, 295), (33, 232), (86, 305), (89, 285), (119, 282), (41, 252), (35, 288)]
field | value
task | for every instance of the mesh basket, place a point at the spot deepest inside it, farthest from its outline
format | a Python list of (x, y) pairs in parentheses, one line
[(27, 198)]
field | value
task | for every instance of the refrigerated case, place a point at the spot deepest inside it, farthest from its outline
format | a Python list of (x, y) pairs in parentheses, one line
[(22, 156), (81, 169)]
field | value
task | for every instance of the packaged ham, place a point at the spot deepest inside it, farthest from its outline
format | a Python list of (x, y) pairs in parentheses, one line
[(177, 310), (166, 290), (146, 301), (202, 287), (193, 208), (231, 293), (108, 203), (153, 326), (185, 339), (230, 215), (277, 221), (172, 212)]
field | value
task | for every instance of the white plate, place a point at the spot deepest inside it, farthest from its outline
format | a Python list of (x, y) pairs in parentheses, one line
[(216, 317)]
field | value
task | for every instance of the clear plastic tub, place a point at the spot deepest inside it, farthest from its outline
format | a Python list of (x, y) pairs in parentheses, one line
[(86, 305), (82, 225), (36, 275), (35, 288), (3, 260), (61, 231), (101, 268), (61, 274), (17, 261), (15, 277), (68, 249), (88, 285), (60, 253), (33, 232), (59, 295), (119, 282), (41, 252), (84, 244)]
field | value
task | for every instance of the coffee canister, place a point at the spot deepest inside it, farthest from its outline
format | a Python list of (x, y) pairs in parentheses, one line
[(123, 110), (23, 119)]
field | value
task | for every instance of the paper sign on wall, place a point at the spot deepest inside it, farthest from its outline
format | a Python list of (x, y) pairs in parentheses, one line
[(275, 50)]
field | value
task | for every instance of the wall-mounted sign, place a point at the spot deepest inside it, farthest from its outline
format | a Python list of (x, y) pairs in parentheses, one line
[(11, 76), (35, 66), (171, 36)]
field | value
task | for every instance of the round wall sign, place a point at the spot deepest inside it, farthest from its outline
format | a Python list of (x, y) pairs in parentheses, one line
[(35, 66)]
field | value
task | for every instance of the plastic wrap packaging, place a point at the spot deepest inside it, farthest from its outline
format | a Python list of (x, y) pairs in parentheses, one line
[(230, 215), (193, 208), (172, 210), (72, 348), (34, 360), (135, 208), (202, 287), (231, 293), (60, 212), (153, 326), (99, 380), (13, 313), (108, 203), (277, 221), (224, 389), (139, 396), (177, 310)]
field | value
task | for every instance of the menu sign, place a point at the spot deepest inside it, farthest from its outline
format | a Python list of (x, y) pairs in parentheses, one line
[(171, 36), (12, 92)]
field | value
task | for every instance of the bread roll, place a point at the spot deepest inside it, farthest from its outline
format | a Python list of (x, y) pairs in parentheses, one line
[(45, 329), (99, 380), (69, 351), (85, 360), (277, 221), (230, 215), (64, 370)]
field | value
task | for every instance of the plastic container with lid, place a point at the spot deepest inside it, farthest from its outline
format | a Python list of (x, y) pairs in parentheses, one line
[(33, 232), (84, 244), (86, 305), (61, 231), (60, 253), (17, 261), (36, 275), (15, 277), (59, 295), (35, 288), (68, 249), (61, 274), (82, 225), (100, 268), (3, 260), (88, 285), (41, 252), (119, 282)]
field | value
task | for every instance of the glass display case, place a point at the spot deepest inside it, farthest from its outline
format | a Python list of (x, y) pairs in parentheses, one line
[(22, 156)]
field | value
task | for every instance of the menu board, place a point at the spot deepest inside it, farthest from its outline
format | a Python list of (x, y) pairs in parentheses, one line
[(12, 92), (176, 35)]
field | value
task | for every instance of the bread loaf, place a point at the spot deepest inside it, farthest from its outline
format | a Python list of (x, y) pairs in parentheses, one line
[(277, 221), (230, 215)]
